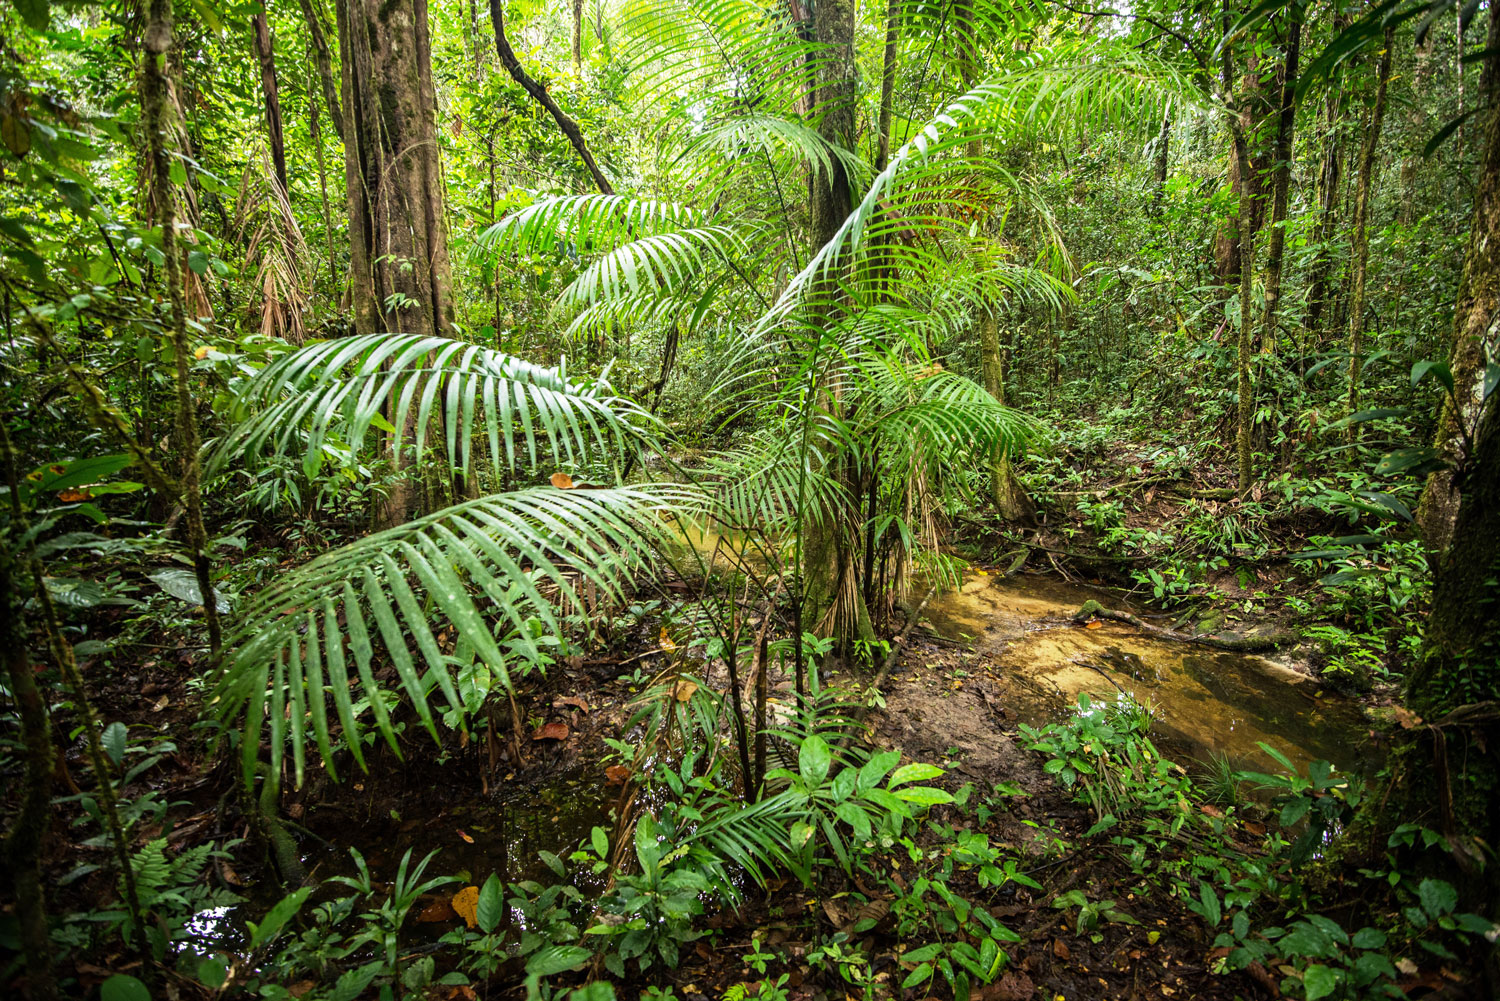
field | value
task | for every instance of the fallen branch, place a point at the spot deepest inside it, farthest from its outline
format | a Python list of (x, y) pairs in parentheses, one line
[(1244, 644)]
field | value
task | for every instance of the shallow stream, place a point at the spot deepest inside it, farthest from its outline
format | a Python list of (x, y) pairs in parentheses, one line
[(1205, 700)]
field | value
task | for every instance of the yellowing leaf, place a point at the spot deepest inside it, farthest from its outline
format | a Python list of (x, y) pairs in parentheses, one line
[(667, 643), (201, 353), (562, 481), (684, 690), (466, 905)]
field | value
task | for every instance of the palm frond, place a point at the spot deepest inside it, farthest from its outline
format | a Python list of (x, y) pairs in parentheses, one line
[(482, 569), (407, 381)]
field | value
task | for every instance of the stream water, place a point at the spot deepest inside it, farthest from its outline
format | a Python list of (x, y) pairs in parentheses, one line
[(1205, 700)]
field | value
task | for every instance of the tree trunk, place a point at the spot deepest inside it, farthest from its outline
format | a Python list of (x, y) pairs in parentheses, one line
[(324, 60), (267, 56), (1159, 161), (888, 84), (1281, 180), (539, 93), (577, 37), (1010, 500), (315, 135), (1330, 178), (399, 273), (32, 818), (1360, 256), (1476, 331), (834, 102)]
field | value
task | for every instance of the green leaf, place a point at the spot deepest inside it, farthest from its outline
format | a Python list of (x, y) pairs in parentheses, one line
[(38, 17), (123, 987), (554, 959), (1438, 897), (554, 863), (212, 971), (490, 908), (276, 918), (114, 739), (600, 841), (917, 771), (183, 585), (1437, 369), (814, 759), (1369, 938), (1210, 900), (924, 796), (599, 990), (1319, 982)]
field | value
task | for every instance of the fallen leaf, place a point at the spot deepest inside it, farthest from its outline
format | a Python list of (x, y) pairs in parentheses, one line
[(461, 992), (1013, 986), (667, 643), (438, 911), (300, 988), (562, 481), (465, 836), (1212, 811), (1094, 624), (551, 731), (1406, 717), (1407, 967), (161, 704), (616, 775), (466, 905), (684, 689), (1255, 827), (571, 700), (1060, 949)]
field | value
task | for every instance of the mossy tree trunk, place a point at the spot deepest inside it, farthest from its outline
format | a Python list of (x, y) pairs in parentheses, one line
[(1476, 327), (1281, 179), (399, 274)]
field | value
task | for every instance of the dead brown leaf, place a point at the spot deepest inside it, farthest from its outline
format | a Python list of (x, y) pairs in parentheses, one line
[(552, 731), (466, 905), (1060, 949), (562, 481)]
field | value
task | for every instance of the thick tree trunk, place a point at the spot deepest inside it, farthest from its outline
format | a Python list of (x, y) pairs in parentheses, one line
[(834, 102), (399, 273), (1281, 181), (1476, 330), (1360, 255), (1245, 408), (568, 127), (267, 56), (324, 59)]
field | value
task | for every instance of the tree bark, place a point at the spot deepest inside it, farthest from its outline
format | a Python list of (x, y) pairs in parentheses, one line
[(32, 819), (1361, 236), (158, 109), (888, 84), (267, 56), (1159, 157), (1330, 178), (1476, 331), (568, 127), (324, 60), (577, 36), (1281, 180), (315, 135), (834, 101), (1010, 500), (399, 273)]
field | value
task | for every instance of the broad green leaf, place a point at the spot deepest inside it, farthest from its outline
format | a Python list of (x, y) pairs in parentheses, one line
[(123, 987), (917, 771), (813, 760), (114, 740), (554, 959), (270, 926)]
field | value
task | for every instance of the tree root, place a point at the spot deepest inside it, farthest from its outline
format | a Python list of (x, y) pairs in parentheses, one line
[(1242, 644)]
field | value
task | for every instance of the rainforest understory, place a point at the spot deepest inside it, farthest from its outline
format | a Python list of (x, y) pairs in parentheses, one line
[(749, 499)]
